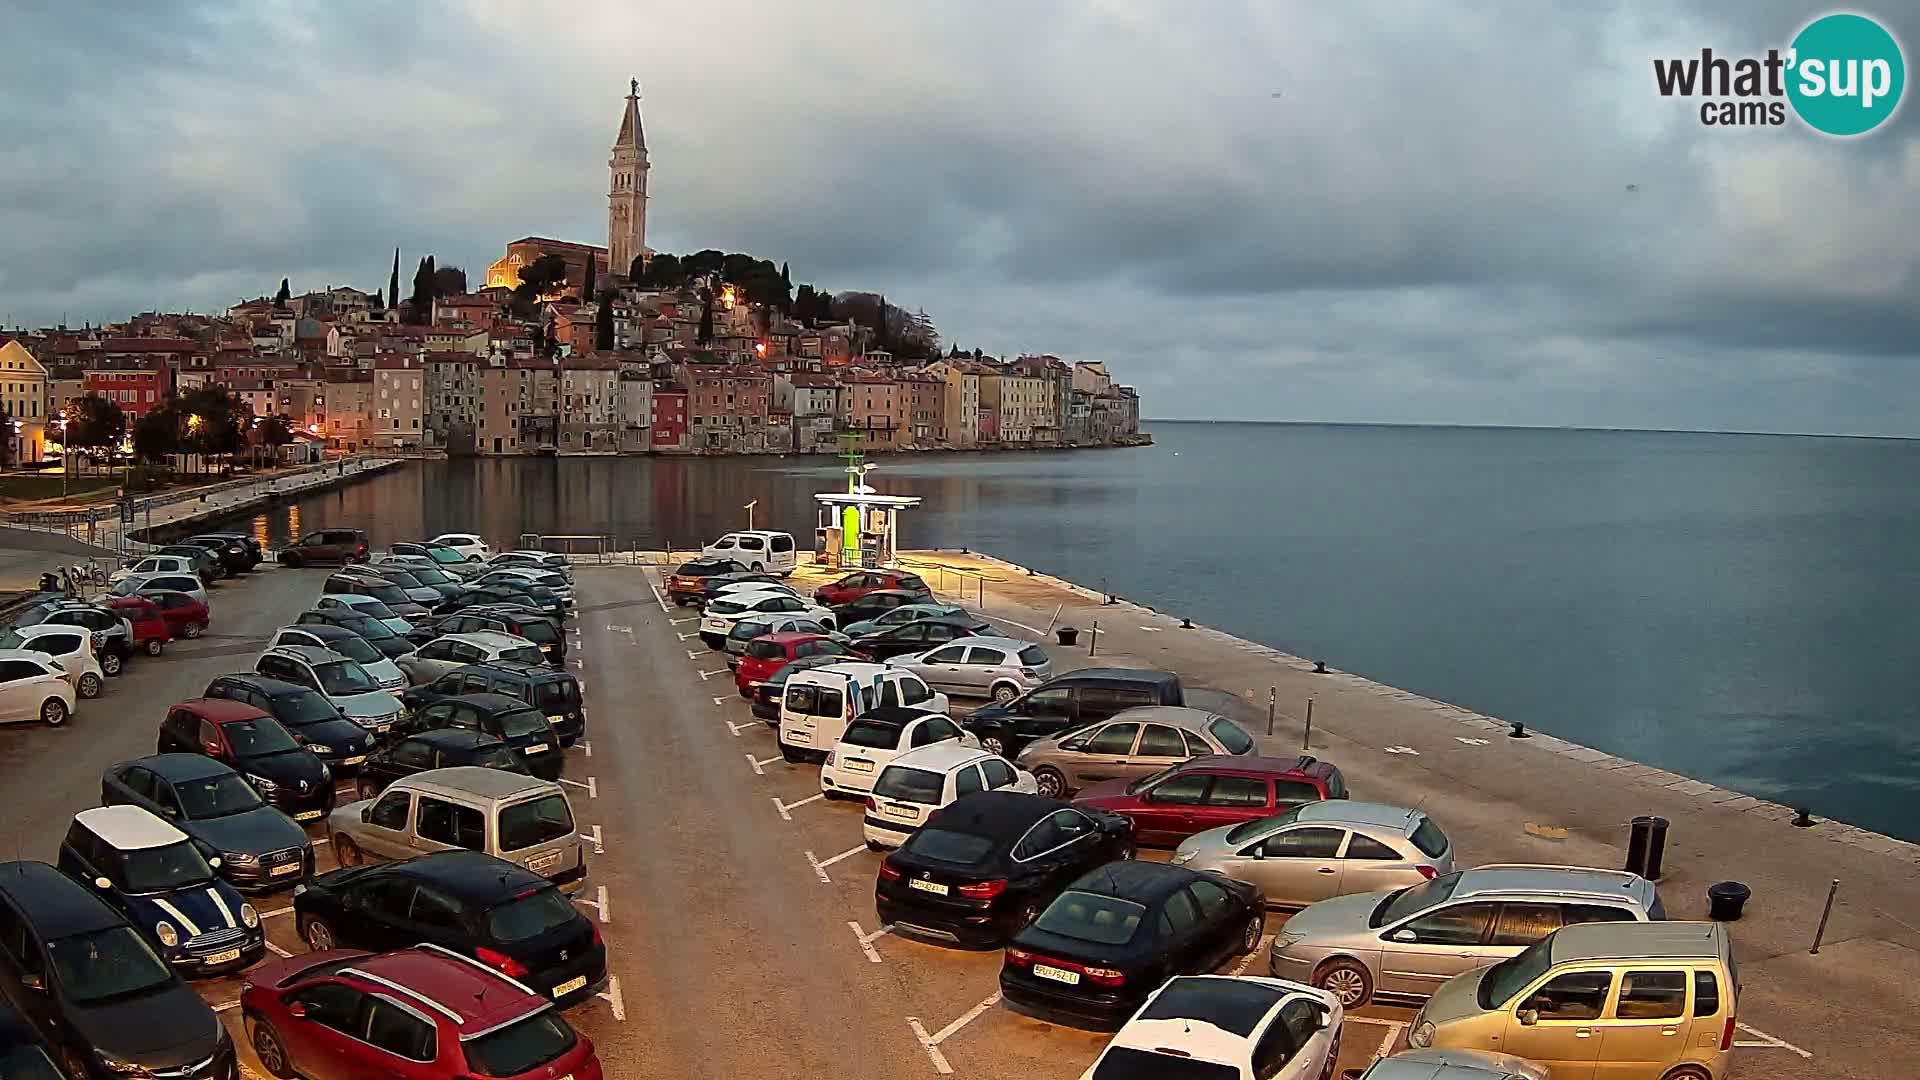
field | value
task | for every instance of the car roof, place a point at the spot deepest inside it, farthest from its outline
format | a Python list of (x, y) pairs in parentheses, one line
[(1171, 715), (180, 767), (478, 780), (940, 757), (854, 669), (312, 654), (884, 592), (1004, 815), (753, 596), (940, 620), (538, 670), (220, 710), (1535, 880), (1212, 1017), (1248, 764), (447, 536), (129, 828), (1353, 812), (453, 738), (1632, 940), (43, 629), (25, 654), (322, 631), (1116, 674), (1007, 643), (472, 876), (267, 684), (1435, 1063), (487, 639), (56, 905), (897, 715), (792, 637), (489, 702), (352, 598), (451, 984), (1134, 879)]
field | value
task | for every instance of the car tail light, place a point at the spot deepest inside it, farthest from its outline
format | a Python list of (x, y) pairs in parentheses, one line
[(507, 965), (596, 935), (872, 803), (829, 757), (888, 871), (1428, 872), (1726, 1035), (1019, 957), (985, 890), (1105, 976)]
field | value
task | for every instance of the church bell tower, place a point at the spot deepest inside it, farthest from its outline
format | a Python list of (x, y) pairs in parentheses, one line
[(627, 189)]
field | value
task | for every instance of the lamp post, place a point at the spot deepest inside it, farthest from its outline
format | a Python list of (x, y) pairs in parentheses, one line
[(749, 509)]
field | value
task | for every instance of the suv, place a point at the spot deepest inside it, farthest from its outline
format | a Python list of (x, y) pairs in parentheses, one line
[(234, 555), (249, 545), (1208, 792), (687, 584), (819, 704), (520, 622), (717, 620), (1404, 944), (444, 654), (259, 847), (1070, 701), (861, 582), (112, 635), (351, 688), (512, 721), (341, 546), (285, 773), (440, 749), (418, 1006), (354, 582), (310, 717), (555, 693), (129, 1009), (509, 815), (390, 644), (157, 876), (339, 639), (504, 916)]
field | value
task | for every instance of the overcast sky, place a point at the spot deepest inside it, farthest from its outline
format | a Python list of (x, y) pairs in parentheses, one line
[(1358, 212)]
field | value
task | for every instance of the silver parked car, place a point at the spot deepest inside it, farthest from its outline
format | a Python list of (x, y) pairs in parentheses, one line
[(510, 816), (1448, 1065), (1404, 944), (450, 651), (1132, 745), (1000, 668), (1323, 849)]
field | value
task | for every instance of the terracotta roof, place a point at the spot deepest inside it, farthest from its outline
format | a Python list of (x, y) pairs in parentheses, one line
[(563, 245), (163, 345), (443, 357)]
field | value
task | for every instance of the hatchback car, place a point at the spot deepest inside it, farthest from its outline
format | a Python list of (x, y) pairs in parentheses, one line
[(285, 773), (313, 721), (444, 654), (1070, 701), (157, 564), (769, 653), (1118, 933), (560, 584), (687, 584), (984, 867), (421, 1013), (1208, 1027), (518, 621), (911, 639), (1324, 849), (750, 629), (338, 639), (510, 815), (147, 584), (111, 633), (149, 624), (1134, 745), (207, 564), (416, 590), (503, 915), (153, 873), (446, 558), (366, 605), (95, 990), (919, 782), (556, 694), (717, 620), (544, 560), (70, 646), (907, 613), (527, 733), (722, 584), (507, 590), (870, 743), (467, 544), (326, 546), (378, 634), (1448, 1065), (442, 749), (33, 687), (235, 556), (1000, 668), (259, 847), (1404, 943), (1208, 792), (365, 581), (875, 603), (343, 682), (250, 543), (186, 613), (859, 583)]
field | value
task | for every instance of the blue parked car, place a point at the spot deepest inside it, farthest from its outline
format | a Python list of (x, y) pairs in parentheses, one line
[(147, 868)]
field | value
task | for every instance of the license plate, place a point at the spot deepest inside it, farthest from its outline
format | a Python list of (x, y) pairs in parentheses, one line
[(223, 957), (933, 887), (569, 986), (1059, 975), (544, 860), (556, 719), (901, 813), (714, 624), (537, 748), (856, 765), (357, 759), (285, 868), (306, 815), (382, 729)]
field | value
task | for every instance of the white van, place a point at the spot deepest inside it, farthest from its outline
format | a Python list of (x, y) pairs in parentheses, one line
[(757, 550), (818, 704)]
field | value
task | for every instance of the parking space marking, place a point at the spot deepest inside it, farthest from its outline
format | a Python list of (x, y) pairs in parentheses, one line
[(585, 745), (1401, 750), (226, 1006), (658, 597), (759, 764), (719, 701), (784, 807), (599, 844), (1241, 967), (705, 675), (683, 622), (931, 1043), (278, 951), (599, 904), (1394, 1028), (274, 912), (733, 727), (611, 995), (684, 637), (693, 655), (820, 867), (615, 629), (1768, 1042), (592, 786), (318, 840), (866, 940), (576, 663)]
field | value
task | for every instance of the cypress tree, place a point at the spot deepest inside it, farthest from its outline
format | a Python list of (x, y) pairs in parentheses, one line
[(586, 291), (706, 319), (393, 281), (603, 324)]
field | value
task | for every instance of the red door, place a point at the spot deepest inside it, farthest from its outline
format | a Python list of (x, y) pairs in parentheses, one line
[(1234, 799), (1166, 813)]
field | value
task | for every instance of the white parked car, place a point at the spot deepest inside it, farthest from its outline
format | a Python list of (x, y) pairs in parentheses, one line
[(468, 544), (732, 587), (135, 584), (872, 742), (33, 687), (536, 560), (921, 781), (157, 564), (756, 550), (71, 646), (1227, 1028), (817, 705), (338, 639), (449, 651), (366, 605), (717, 619)]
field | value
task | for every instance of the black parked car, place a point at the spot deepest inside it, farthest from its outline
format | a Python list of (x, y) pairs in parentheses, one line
[(234, 556), (1069, 701), (416, 580), (914, 637), (112, 635), (247, 541), (94, 989), (497, 912), (555, 693), (877, 603), (1117, 933), (488, 596), (207, 564), (259, 847), (545, 600), (766, 696), (512, 721), (441, 749), (313, 720), (23, 1056), (379, 634), (985, 866), (520, 622), (285, 773)]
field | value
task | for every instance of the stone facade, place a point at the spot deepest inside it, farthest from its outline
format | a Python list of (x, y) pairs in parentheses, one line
[(399, 401), (627, 189)]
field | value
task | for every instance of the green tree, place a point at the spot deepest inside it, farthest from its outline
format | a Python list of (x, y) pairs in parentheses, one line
[(273, 432), (156, 435), (545, 273), (603, 326), (8, 432), (94, 423), (420, 302), (706, 317), (449, 281), (664, 272)]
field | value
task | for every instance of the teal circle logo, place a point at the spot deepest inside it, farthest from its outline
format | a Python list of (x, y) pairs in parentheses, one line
[(1847, 74)]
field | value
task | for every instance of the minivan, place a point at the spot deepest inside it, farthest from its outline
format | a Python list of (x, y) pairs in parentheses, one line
[(758, 550), (1633, 1000), (508, 815), (819, 704), (1069, 701), (341, 546)]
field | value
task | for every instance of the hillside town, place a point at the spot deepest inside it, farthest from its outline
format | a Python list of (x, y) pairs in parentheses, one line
[(574, 349)]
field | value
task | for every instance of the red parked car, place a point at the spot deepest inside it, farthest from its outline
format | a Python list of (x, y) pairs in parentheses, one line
[(186, 617), (769, 653), (150, 629), (1207, 792), (417, 1014), (861, 582)]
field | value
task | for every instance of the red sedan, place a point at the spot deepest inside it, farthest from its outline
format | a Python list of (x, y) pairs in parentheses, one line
[(861, 582), (150, 629), (769, 653), (1207, 792), (186, 617), (417, 1014)]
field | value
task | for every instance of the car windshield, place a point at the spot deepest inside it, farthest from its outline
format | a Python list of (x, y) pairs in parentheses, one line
[(520, 1047), (1230, 735), (872, 733), (254, 738), (1412, 901), (365, 625), (105, 964), (13, 639), (767, 650), (1128, 1063), (216, 796), (958, 848), (557, 693), (354, 647), (305, 707), (725, 607), (539, 631), (1248, 830), (402, 578), (446, 556), (529, 915), (521, 723), (371, 606), (430, 575), (1145, 782), (164, 868), (1084, 916), (26, 1062), (910, 785), (536, 821), (747, 630), (1033, 656), (340, 677), (525, 654), (1512, 975)]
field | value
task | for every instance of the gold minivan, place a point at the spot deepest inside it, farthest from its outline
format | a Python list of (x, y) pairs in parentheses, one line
[(1599, 1001)]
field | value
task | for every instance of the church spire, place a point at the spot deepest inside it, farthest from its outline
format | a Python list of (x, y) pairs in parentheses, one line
[(631, 133)]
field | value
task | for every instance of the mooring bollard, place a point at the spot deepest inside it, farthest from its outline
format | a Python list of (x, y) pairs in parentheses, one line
[(1306, 736), (1824, 914), (1273, 695), (1093, 638)]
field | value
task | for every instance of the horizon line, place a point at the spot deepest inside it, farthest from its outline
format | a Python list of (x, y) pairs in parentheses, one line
[(1531, 427)]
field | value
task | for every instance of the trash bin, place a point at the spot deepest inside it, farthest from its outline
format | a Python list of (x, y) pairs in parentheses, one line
[(1726, 900), (1067, 635), (1647, 846)]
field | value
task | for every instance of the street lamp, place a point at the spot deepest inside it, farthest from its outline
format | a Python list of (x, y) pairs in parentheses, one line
[(749, 509)]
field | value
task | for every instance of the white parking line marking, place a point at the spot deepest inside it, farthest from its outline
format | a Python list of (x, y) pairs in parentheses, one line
[(277, 950), (599, 845), (759, 764), (323, 840), (585, 745), (691, 654), (931, 1043), (1771, 1042), (1152, 629), (616, 629), (226, 1005), (612, 997), (1401, 750), (855, 850), (1394, 1028), (784, 807), (599, 905), (1241, 967), (658, 597), (576, 663), (719, 701), (592, 786), (276, 911), (1469, 742), (737, 728), (866, 940), (684, 637), (705, 675), (820, 868), (683, 622)]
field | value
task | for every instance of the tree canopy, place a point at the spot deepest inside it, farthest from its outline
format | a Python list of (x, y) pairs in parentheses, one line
[(449, 281), (94, 422)]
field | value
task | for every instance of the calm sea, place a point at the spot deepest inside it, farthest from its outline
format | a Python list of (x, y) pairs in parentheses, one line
[(1743, 609)]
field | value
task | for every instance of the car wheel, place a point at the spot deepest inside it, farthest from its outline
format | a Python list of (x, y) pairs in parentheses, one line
[(1052, 784), (75, 1062), (89, 685), (1346, 980), (1004, 693), (288, 558), (318, 935), (757, 568), (111, 664), (1250, 937), (195, 629), (347, 852), (993, 744), (875, 845), (1127, 853), (1688, 1072), (789, 755), (273, 1055), (154, 646)]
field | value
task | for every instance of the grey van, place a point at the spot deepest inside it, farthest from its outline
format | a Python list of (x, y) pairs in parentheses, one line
[(510, 816)]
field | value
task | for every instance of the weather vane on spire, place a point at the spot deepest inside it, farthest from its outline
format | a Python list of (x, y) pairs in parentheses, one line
[(636, 86)]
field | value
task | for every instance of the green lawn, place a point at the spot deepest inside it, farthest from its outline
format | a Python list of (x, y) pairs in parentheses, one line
[(32, 487)]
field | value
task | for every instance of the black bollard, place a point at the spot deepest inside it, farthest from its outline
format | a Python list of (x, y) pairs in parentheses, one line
[(1319, 667), (1647, 846), (1518, 731)]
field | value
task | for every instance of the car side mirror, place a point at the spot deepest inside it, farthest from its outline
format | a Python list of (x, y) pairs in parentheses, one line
[(214, 862), (1074, 744), (1326, 1018), (1529, 1017), (34, 982), (366, 814), (1352, 1074), (103, 882), (297, 1010), (1405, 935)]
